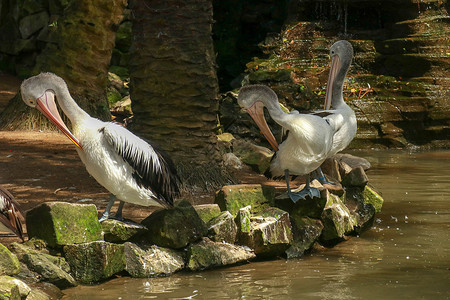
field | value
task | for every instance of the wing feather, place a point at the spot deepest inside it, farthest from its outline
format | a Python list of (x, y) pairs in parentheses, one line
[(153, 168), (11, 214)]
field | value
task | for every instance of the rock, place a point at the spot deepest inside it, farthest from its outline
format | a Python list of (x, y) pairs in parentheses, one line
[(364, 212), (357, 177), (353, 161), (344, 168), (207, 254), (24, 289), (45, 290), (123, 106), (62, 223), (225, 137), (230, 160), (175, 228), (32, 23), (95, 261), (151, 261), (235, 197), (330, 167), (308, 207), (223, 228), (337, 221), (372, 197), (255, 156), (121, 231), (243, 220), (270, 233), (36, 294), (9, 264), (9, 291), (305, 232), (52, 269), (207, 211), (30, 246)]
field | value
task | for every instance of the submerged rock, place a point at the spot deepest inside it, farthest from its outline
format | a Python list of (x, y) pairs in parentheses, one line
[(235, 197), (207, 254), (9, 264), (175, 228), (95, 261), (223, 228), (151, 261), (306, 232), (62, 223), (207, 211), (270, 233), (116, 231), (52, 269)]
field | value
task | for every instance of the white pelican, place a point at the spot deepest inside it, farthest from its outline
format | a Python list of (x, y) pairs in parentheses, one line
[(132, 169), (10, 214), (341, 115), (307, 145)]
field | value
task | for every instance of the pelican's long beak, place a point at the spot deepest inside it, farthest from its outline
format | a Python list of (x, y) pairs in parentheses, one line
[(47, 106), (335, 66), (256, 111)]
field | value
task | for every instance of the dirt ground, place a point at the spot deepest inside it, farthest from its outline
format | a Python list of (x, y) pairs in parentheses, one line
[(38, 167)]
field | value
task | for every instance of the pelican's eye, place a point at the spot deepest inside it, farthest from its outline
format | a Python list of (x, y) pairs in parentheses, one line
[(31, 101)]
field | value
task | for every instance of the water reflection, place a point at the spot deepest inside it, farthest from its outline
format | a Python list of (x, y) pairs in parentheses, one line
[(405, 255)]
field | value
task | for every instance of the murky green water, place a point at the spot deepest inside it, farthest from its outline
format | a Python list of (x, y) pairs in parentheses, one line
[(405, 256)]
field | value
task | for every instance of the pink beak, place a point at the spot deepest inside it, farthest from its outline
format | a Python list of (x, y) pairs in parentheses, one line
[(46, 105), (256, 111), (335, 66)]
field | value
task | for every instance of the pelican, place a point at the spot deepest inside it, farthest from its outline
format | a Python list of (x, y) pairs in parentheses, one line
[(307, 145), (10, 214), (341, 116), (130, 168)]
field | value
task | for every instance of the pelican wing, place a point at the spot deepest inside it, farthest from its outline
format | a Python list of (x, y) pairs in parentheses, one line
[(153, 168), (10, 213)]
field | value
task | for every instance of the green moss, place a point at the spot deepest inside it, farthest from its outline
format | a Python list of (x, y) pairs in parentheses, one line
[(9, 264), (372, 197)]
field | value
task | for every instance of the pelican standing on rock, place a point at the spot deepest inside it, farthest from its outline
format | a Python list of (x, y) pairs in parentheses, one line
[(307, 145), (10, 214), (131, 169), (341, 115)]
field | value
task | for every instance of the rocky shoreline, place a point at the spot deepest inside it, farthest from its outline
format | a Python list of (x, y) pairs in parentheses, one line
[(247, 222)]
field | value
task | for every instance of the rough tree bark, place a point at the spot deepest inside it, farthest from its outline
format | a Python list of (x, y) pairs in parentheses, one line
[(174, 85), (79, 50)]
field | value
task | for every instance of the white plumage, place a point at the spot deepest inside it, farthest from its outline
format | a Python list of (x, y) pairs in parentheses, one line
[(129, 167)]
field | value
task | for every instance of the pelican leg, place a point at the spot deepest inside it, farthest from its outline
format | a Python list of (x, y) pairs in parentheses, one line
[(105, 215), (118, 215), (318, 174), (306, 191)]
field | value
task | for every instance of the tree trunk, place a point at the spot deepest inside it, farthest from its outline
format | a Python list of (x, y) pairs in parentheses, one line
[(174, 85), (79, 49)]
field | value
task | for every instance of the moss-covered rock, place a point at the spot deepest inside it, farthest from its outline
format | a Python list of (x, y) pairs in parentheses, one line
[(305, 231), (95, 261), (373, 197), (52, 269), (121, 231), (9, 291), (9, 264), (242, 220), (30, 246), (234, 197), (24, 289), (62, 223), (222, 228), (337, 221), (312, 208), (37, 294), (207, 254), (175, 228), (255, 156), (151, 261), (207, 211)]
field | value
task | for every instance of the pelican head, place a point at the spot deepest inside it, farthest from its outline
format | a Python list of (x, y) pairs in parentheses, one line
[(253, 98), (39, 92), (341, 54)]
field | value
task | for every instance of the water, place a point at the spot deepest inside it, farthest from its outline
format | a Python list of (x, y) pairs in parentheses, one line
[(405, 255)]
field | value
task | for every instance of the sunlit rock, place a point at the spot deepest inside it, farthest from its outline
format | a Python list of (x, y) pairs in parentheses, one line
[(270, 233), (9, 290), (364, 212), (242, 220), (24, 289), (30, 246), (253, 155), (207, 211), (151, 261), (51, 268), (9, 264), (330, 167), (121, 231), (305, 232), (37, 294), (235, 197), (95, 261), (62, 223), (230, 160), (175, 228), (223, 228), (352, 161), (337, 221), (208, 254), (373, 197), (357, 177)]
